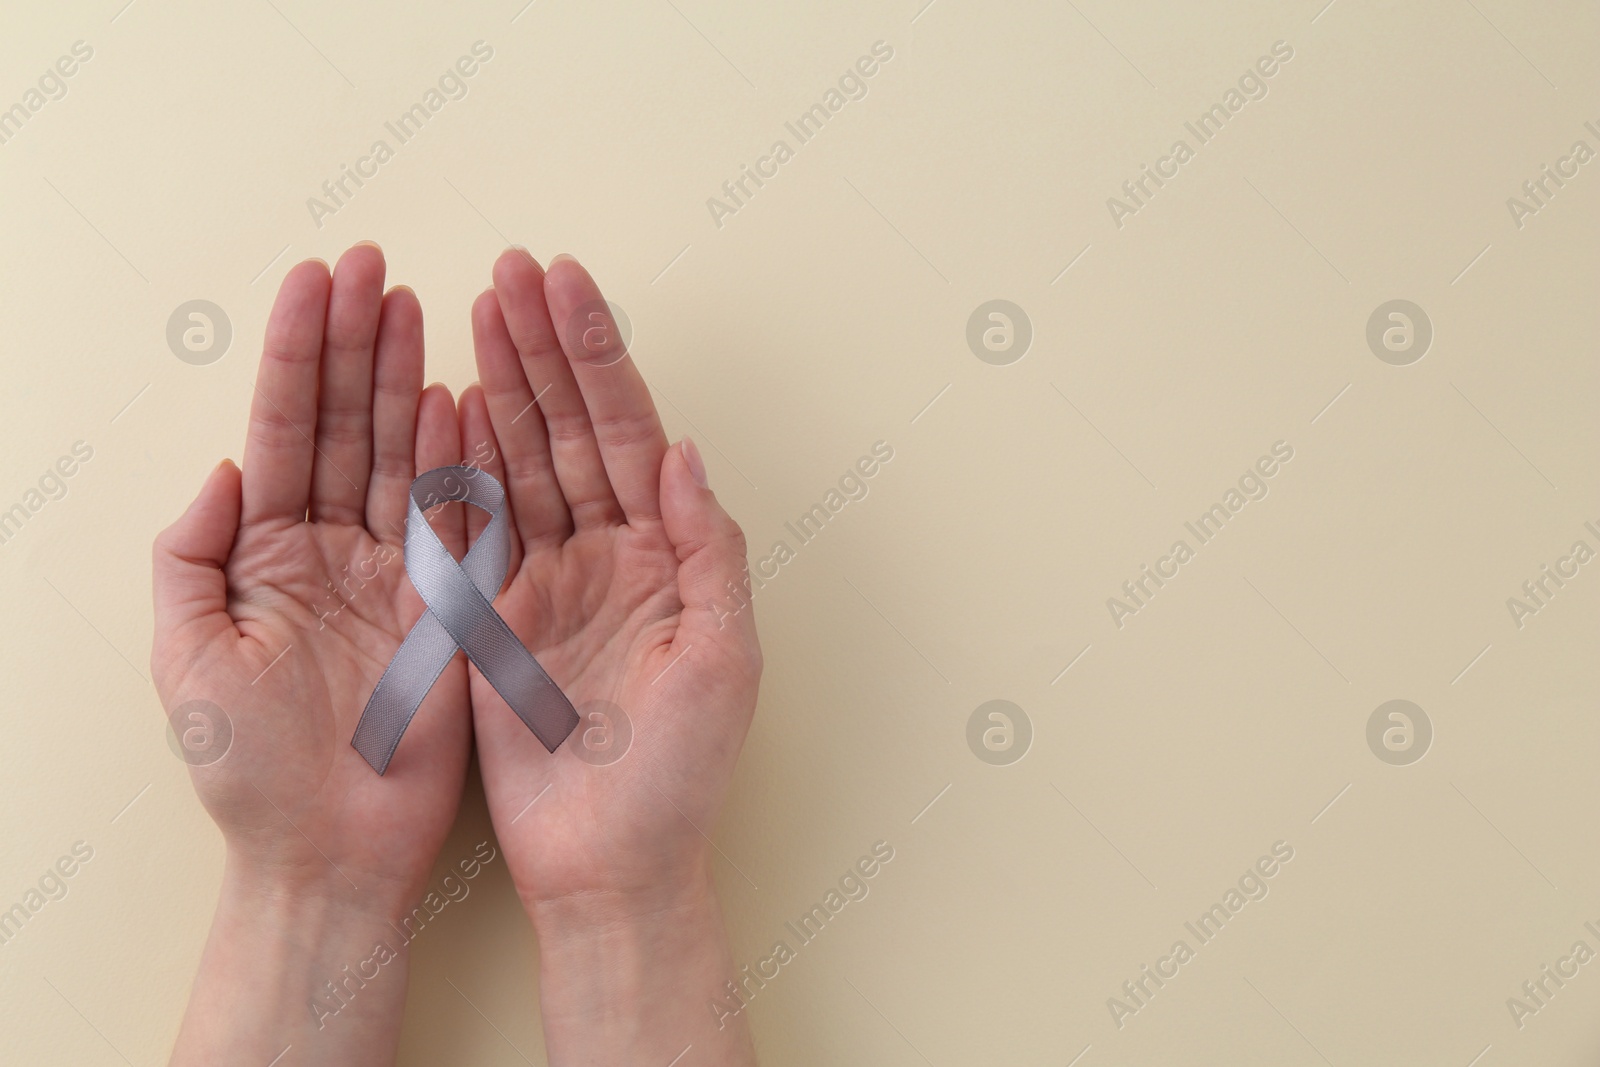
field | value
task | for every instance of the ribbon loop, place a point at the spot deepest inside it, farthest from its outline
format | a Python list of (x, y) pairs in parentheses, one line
[(460, 614)]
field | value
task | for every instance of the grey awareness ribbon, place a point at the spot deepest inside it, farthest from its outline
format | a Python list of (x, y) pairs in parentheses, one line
[(460, 614)]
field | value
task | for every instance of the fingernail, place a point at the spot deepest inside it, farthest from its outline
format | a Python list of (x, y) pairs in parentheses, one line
[(697, 466), (560, 256), (527, 255), (369, 244)]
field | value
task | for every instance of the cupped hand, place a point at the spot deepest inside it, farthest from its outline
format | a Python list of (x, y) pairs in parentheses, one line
[(281, 595), (627, 584)]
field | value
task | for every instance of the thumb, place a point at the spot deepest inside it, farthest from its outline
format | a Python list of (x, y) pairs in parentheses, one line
[(713, 572), (189, 585)]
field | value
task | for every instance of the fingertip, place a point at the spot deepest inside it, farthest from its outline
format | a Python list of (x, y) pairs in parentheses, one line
[(477, 430), (485, 309), (682, 495), (686, 467), (522, 253), (570, 290), (356, 291), (223, 481), (401, 311), (227, 474), (436, 404), (209, 523), (362, 253), (306, 282), (695, 462), (439, 445), (567, 275), (515, 268), (438, 441), (472, 402)]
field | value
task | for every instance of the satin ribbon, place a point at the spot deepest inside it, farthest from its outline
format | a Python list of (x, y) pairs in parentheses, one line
[(460, 614)]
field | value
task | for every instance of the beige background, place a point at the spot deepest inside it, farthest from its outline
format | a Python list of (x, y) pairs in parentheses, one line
[(824, 316)]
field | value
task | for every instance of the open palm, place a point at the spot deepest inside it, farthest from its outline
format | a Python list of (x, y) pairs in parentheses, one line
[(622, 583), (281, 594)]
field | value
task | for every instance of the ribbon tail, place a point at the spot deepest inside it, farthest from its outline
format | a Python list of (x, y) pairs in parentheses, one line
[(505, 661), (534, 696), (417, 664)]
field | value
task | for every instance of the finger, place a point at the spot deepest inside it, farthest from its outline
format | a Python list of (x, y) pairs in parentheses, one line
[(190, 589), (713, 570), (343, 464), (283, 413), (537, 502), (440, 735), (439, 445), (519, 284), (626, 426), (397, 387), (480, 449)]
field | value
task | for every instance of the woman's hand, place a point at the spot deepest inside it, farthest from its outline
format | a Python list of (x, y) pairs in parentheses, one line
[(627, 584), (280, 596)]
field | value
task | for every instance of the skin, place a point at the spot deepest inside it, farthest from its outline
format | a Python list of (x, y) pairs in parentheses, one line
[(618, 583)]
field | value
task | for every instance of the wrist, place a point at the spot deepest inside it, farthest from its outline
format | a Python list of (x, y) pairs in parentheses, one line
[(673, 892), (636, 976), (292, 961), (311, 890)]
